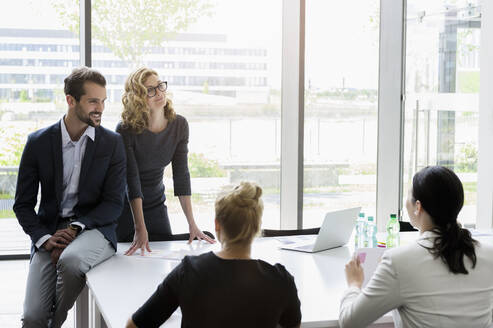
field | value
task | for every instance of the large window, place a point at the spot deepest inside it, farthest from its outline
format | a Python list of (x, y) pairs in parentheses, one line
[(222, 60), (442, 88), (223, 72), (36, 53), (224, 76), (341, 80)]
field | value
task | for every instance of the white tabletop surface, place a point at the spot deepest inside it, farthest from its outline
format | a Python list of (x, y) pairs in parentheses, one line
[(122, 284)]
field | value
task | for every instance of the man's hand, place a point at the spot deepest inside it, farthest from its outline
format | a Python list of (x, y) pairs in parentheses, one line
[(60, 239), (55, 255), (71, 232), (57, 243)]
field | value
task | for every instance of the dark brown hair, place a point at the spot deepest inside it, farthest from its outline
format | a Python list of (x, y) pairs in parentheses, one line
[(74, 83), (442, 196)]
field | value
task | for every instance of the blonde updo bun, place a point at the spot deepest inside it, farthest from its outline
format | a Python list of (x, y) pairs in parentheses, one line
[(239, 213)]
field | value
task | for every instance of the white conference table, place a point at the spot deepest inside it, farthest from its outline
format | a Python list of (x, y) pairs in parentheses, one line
[(120, 285)]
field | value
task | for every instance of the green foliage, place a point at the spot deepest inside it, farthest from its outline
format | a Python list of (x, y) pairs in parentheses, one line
[(470, 187), (5, 195), (271, 109), (7, 214), (469, 114), (205, 87), (348, 94), (358, 169), (11, 146), (23, 97), (465, 43), (201, 167), (470, 193), (170, 198), (130, 28), (468, 82), (42, 100), (467, 160)]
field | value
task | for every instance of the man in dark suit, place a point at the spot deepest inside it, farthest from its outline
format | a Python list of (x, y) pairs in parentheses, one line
[(81, 169)]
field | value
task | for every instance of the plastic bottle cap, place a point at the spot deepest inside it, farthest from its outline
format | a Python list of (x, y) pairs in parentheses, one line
[(370, 218), (393, 216), (361, 215)]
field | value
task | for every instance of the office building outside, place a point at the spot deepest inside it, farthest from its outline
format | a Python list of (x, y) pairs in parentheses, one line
[(34, 62)]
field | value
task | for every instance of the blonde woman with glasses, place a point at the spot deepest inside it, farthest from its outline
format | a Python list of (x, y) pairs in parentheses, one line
[(154, 136), (227, 288)]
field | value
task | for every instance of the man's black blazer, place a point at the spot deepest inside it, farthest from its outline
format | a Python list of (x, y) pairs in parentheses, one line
[(101, 185)]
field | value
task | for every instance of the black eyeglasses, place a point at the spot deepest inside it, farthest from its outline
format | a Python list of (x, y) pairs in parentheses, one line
[(151, 91)]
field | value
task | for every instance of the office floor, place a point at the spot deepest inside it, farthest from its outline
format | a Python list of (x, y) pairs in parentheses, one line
[(13, 273), (12, 288)]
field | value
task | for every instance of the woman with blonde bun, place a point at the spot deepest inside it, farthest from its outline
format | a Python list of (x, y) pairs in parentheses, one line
[(227, 288), (154, 136)]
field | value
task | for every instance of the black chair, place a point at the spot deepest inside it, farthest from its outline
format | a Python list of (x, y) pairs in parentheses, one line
[(186, 236), (296, 232), (406, 226), (180, 236)]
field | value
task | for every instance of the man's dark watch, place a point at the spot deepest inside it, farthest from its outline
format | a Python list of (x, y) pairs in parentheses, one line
[(75, 227)]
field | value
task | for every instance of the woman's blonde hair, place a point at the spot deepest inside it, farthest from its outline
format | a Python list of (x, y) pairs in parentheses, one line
[(136, 113), (239, 213)]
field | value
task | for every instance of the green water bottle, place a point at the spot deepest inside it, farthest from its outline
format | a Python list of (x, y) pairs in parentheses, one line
[(393, 231)]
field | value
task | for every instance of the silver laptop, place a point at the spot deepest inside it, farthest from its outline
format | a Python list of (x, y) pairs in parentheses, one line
[(334, 232)]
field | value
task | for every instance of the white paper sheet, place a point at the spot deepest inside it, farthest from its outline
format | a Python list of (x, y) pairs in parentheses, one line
[(288, 240), (369, 259), (177, 254)]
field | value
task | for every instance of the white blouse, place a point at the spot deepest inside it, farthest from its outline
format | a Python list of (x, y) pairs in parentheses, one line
[(423, 290)]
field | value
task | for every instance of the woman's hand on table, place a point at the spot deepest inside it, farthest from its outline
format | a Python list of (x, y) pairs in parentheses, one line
[(195, 232), (354, 273), (141, 240)]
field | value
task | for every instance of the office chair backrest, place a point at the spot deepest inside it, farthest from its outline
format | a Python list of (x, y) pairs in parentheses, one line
[(278, 233), (180, 236), (406, 226)]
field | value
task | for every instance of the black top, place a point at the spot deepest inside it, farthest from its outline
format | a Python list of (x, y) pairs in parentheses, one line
[(148, 153), (213, 292)]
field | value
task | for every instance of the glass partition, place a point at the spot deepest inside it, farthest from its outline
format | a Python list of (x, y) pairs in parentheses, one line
[(222, 62), (36, 53), (442, 89), (341, 81)]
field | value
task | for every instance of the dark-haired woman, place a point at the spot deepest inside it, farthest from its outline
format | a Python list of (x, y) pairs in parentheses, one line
[(444, 279)]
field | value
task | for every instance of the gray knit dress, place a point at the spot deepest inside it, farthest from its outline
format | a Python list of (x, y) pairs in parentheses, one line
[(148, 154)]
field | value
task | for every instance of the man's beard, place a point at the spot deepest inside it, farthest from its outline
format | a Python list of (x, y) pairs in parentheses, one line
[(86, 119)]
